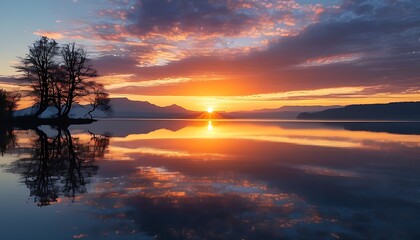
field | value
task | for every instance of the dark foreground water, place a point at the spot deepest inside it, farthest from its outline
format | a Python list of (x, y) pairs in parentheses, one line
[(161, 179)]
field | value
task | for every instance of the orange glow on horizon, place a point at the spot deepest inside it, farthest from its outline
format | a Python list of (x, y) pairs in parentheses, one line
[(255, 102), (247, 103)]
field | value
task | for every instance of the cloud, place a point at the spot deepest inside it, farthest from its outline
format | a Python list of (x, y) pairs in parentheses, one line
[(350, 57), (308, 94), (149, 83), (161, 16), (13, 83), (50, 34), (9, 79), (156, 32), (359, 44), (247, 47)]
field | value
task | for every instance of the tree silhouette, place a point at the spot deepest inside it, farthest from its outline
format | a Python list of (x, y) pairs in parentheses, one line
[(77, 72), (37, 67), (60, 77), (98, 99), (8, 104)]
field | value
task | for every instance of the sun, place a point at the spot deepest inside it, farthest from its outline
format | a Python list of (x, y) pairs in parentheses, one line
[(209, 109)]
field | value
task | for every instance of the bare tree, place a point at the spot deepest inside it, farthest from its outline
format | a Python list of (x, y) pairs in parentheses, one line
[(59, 84), (98, 99), (8, 103), (77, 72), (3, 104), (37, 67)]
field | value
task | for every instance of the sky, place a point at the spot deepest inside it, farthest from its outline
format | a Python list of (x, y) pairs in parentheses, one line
[(230, 54)]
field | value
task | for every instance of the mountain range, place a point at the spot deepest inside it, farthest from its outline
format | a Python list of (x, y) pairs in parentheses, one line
[(125, 108), (122, 108)]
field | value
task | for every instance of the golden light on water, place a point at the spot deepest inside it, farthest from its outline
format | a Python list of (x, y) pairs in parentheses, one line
[(231, 132), (209, 126)]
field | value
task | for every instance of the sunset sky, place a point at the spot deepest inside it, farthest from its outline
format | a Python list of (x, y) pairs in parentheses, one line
[(230, 54)]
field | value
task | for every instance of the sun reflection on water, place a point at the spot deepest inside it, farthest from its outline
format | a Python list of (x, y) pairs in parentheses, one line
[(209, 126)]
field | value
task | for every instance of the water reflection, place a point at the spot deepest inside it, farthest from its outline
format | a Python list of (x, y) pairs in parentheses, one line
[(59, 165), (410, 128), (7, 139), (209, 126), (172, 205), (309, 134), (229, 180)]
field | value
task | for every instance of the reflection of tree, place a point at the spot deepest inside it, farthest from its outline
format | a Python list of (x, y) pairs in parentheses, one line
[(7, 139), (60, 165)]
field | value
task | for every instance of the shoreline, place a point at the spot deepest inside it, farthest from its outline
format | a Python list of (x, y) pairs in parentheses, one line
[(28, 122)]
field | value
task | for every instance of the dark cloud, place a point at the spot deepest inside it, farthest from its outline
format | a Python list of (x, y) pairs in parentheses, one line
[(110, 64), (387, 46), (187, 16), (9, 80), (223, 17), (15, 83), (177, 29)]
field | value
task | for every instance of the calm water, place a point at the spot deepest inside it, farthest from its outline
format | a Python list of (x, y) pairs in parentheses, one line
[(178, 179)]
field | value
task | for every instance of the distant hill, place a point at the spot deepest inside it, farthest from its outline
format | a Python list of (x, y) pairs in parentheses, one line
[(122, 108), (125, 108), (285, 112), (390, 111)]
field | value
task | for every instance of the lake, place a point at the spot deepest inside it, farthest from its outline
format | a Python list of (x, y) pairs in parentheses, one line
[(186, 179)]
